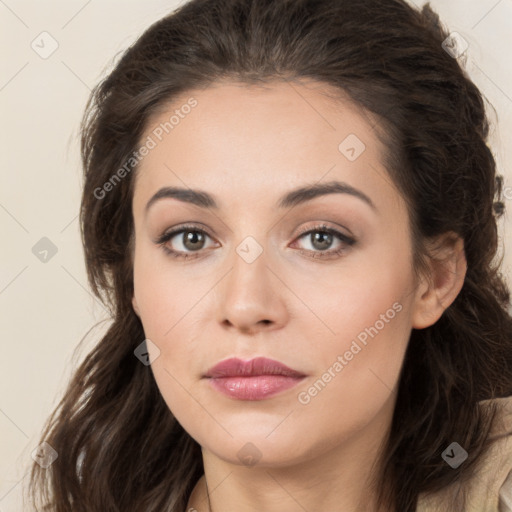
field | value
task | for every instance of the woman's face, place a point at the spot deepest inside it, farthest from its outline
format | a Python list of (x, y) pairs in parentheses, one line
[(259, 274)]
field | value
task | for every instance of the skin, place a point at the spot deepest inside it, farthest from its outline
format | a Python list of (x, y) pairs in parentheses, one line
[(247, 146)]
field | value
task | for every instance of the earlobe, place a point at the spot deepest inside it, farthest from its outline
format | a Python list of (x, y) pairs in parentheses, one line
[(135, 306), (447, 272)]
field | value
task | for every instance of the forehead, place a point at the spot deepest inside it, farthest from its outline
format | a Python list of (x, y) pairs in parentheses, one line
[(251, 140)]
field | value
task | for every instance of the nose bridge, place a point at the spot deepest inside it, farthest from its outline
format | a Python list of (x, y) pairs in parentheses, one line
[(251, 243), (250, 295), (249, 275)]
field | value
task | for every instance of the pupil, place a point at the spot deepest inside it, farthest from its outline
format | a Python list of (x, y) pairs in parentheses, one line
[(193, 237), (322, 240)]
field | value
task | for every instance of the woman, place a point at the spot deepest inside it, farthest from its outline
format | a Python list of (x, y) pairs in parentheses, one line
[(291, 209)]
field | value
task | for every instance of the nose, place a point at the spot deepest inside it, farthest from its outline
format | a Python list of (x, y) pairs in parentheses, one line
[(252, 296)]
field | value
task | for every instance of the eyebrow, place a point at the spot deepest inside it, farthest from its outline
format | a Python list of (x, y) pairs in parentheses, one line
[(290, 199)]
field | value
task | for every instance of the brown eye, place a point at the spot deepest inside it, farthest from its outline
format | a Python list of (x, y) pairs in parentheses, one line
[(322, 238), (193, 240), (183, 241)]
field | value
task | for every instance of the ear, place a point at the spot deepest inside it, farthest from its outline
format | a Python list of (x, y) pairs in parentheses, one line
[(448, 265), (135, 306)]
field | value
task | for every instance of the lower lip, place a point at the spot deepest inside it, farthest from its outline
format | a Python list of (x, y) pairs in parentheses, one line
[(257, 387)]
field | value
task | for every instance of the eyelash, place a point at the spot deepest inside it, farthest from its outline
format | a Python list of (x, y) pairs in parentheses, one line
[(322, 228)]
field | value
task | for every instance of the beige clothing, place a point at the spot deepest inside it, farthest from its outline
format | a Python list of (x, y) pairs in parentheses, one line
[(490, 490)]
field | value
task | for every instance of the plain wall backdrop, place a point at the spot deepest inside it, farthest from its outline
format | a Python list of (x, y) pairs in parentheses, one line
[(45, 302)]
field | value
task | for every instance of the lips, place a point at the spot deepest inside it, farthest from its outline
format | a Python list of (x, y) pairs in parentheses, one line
[(257, 379), (235, 367)]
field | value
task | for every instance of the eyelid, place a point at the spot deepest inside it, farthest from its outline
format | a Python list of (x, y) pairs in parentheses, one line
[(347, 241), (323, 226), (178, 229)]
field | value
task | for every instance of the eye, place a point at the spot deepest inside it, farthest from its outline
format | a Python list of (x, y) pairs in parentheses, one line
[(189, 240), (321, 239)]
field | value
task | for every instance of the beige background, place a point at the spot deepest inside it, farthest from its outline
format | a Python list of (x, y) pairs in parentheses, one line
[(46, 307)]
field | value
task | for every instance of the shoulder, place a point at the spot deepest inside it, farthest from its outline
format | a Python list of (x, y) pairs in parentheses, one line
[(490, 489)]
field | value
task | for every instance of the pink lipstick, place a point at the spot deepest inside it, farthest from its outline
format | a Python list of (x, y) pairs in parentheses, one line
[(256, 379)]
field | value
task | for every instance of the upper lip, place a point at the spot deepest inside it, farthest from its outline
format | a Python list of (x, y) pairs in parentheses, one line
[(234, 367)]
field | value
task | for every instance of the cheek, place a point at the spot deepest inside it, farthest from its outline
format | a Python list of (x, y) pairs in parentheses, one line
[(367, 311), (363, 300), (166, 306), (369, 334), (170, 311), (357, 369), (163, 294)]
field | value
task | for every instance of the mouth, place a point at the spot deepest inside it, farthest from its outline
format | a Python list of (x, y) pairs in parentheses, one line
[(256, 379)]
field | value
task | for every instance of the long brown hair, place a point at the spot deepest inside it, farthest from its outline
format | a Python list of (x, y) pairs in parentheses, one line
[(119, 446)]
